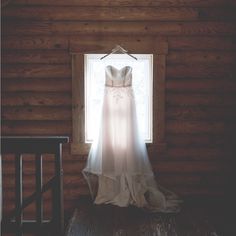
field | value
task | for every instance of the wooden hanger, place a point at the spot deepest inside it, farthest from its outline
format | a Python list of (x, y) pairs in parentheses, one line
[(118, 48)]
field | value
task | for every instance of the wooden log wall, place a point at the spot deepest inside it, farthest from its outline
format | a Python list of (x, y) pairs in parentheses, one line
[(200, 83)]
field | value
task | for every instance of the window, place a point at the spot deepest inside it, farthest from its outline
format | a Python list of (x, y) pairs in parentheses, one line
[(142, 83), (88, 68)]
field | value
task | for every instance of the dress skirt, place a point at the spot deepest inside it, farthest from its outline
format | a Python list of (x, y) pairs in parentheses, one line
[(118, 169)]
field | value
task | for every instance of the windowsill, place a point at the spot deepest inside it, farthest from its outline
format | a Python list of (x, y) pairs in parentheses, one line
[(83, 148)]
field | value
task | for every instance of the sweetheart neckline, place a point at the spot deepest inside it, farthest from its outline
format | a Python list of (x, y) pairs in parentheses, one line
[(110, 66)]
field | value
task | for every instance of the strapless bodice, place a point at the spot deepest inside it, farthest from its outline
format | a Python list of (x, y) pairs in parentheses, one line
[(118, 78)]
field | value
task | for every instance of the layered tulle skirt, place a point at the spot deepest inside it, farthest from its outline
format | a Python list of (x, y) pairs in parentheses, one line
[(118, 170)]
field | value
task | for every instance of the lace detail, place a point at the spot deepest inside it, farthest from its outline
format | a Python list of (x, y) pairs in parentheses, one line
[(118, 93)]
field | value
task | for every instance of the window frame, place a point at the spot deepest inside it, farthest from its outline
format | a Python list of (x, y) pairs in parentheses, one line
[(149, 84), (159, 51)]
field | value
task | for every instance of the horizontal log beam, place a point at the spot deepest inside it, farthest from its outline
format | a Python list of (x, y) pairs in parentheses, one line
[(104, 43), (201, 58), (197, 153), (89, 42), (194, 140), (206, 71), (118, 28), (36, 113), (63, 57), (36, 56), (195, 127), (190, 167), (202, 43), (200, 99), (159, 3), (37, 85), (200, 113), (36, 128), (117, 13), (35, 42), (36, 71), (36, 99), (201, 85), (100, 14)]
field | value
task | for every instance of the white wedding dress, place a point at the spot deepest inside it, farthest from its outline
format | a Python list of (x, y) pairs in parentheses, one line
[(118, 170)]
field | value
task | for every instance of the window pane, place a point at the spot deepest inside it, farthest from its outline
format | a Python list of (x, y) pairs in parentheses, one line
[(142, 81)]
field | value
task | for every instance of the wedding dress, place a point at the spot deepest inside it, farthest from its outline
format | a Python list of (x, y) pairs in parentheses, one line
[(118, 170)]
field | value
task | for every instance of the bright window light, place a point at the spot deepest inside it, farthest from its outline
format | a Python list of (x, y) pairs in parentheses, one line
[(142, 83)]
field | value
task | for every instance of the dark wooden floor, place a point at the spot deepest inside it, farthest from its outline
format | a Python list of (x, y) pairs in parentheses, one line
[(198, 217)]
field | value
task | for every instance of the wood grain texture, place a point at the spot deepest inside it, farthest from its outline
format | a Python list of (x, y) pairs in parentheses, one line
[(36, 71), (159, 107), (191, 167), (103, 43), (36, 128), (201, 85), (202, 153), (10, 99), (37, 85), (159, 3), (35, 42), (206, 71), (78, 108), (117, 13), (195, 127), (200, 99), (202, 43), (100, 14), (95, 42), (201, 113), (38, 38), (36, 113), (195, 140), (118, 28), (35, 56), (201, 58)]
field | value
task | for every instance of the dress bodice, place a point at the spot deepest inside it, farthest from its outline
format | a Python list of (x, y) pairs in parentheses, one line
[(118, 78)]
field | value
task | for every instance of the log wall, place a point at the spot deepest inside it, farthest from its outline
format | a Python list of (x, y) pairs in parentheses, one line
[(200, 83)]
